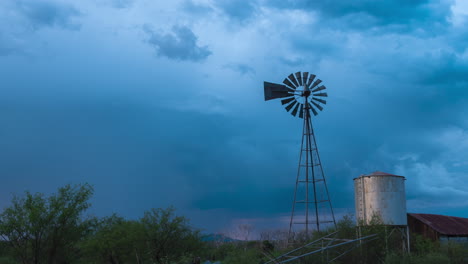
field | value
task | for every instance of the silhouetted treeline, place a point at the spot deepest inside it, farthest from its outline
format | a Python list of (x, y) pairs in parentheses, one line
[(36, 229)]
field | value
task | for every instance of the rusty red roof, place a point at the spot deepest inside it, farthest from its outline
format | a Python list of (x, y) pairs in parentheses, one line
[(445, 225)]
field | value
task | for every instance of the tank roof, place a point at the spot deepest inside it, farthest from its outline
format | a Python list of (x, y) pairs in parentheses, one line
[(379, 174)]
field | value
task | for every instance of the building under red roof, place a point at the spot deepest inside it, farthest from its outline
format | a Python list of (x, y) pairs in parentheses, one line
[(439, 227)]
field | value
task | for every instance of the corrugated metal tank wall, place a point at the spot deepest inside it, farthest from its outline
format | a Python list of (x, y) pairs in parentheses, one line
[(381, 194)]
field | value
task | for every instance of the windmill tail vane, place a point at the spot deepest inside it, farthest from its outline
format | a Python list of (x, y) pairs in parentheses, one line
[(302, 93)]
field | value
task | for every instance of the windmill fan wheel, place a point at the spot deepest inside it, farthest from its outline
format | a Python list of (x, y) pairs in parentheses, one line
[(299, 90)]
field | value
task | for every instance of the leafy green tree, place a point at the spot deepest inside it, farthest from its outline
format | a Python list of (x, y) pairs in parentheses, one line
[(346, 227), (46, 230), (115, 240), (169, 237)]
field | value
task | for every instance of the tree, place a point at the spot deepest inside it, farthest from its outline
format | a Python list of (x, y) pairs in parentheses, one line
[(115, 240), (46, 230), (168, 237)]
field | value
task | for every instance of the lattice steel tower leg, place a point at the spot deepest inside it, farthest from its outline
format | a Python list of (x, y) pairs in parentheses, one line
[(311, 207)]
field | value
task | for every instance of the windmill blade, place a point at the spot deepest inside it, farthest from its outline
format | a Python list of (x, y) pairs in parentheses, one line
[(274, 91), (313, 110), (294, 111), (288, 108), (288, 83), (321, 94), (319, 100), (317, 82), (317, 105), (311, 79), (288, 100), (293, 79), (304, 78), (301, 112), (298, 78), (320, 88)]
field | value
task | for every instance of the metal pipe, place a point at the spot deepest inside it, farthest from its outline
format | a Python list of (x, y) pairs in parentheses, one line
[(329, 247)]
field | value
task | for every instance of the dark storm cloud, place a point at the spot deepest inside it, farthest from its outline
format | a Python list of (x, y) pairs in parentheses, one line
[(46, 13), (180, 44), (195, 8), (327, 45), (240, 68), (445, 68), (238, 10), (368, 13), (459, 39), (429, 85), (105, 142), (152, 154), (247, 198), (21, 19)]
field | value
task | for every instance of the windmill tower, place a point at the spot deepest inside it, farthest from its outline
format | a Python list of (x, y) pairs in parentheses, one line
[(311, 209)]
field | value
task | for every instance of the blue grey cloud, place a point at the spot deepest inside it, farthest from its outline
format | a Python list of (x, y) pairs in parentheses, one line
[(292, 62), (238, 10), (180, 44), (23, 18), (363, 14), (240, 68), (247, 198), (446, 68), (459, 39), (43, 13), (147, 152), (407, 115), (195, 8)]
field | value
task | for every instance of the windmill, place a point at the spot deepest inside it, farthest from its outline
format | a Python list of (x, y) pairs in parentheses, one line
[(302, 95)]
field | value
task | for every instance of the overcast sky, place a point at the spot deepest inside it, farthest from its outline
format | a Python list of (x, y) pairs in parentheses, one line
[(158, 103)]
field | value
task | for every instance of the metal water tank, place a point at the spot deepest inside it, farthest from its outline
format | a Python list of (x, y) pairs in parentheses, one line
[(380, 194)]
